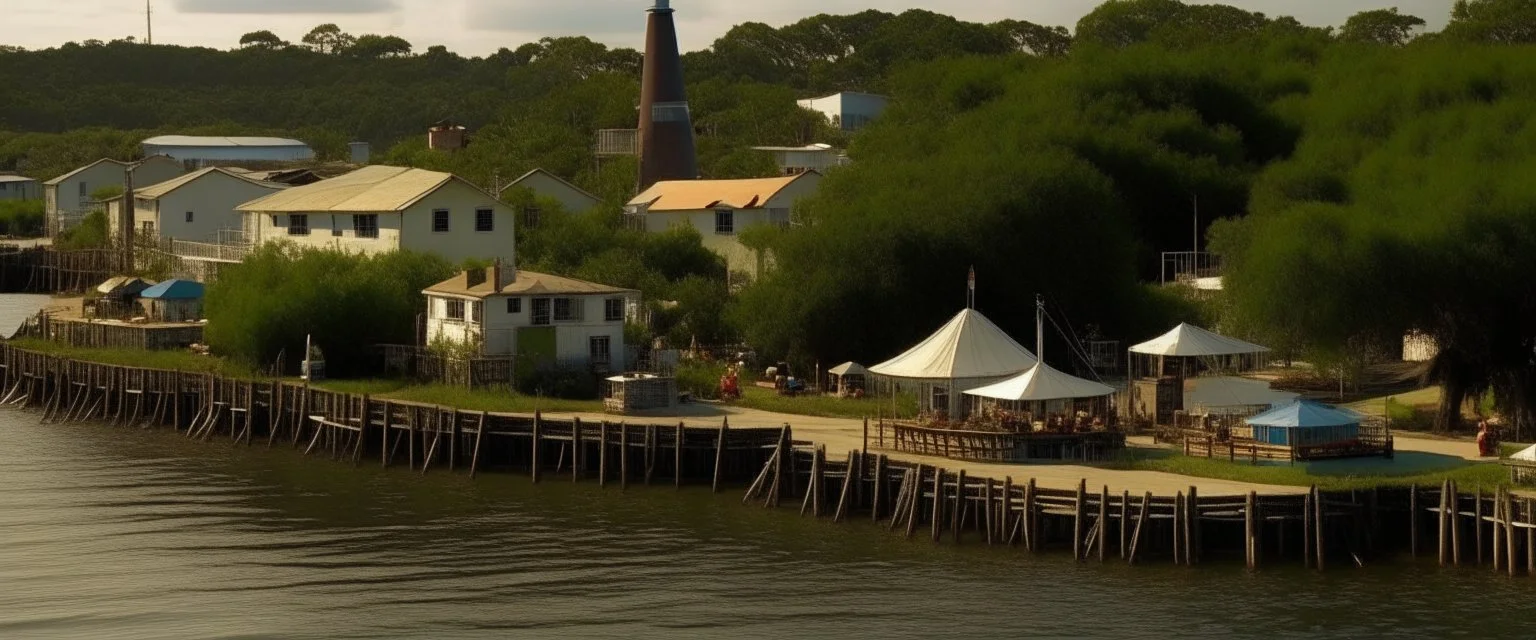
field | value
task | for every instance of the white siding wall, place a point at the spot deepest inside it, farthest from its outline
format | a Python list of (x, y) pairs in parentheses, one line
[(66, 197), (27, 190), (545, 186), (211, 199), (269, 227), (461, 241), (499, 333), (737, 257)]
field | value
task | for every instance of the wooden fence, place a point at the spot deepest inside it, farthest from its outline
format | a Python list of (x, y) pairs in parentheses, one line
[(987, 446)]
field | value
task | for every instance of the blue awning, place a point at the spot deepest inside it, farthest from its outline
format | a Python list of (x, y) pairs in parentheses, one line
[(174, 290), (1305, 413)]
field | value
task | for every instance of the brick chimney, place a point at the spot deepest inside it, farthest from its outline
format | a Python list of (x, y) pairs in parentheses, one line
[(502, 275)]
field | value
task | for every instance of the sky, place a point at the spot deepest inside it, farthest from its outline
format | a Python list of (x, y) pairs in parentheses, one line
[(480, 27)]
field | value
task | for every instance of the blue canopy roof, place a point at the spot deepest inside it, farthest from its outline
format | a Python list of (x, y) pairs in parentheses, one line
[(1305, 413), (174, 290)]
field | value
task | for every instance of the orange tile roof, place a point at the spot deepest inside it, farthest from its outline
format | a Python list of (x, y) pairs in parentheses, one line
[(694, 195)]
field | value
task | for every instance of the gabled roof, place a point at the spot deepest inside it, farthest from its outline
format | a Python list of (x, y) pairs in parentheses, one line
[(1042, 382), (374, 188), (223, 141), (16, 179), (525, 283), (1190, 340), (1305, 413), (848, 369), (519, 181), (968, 346), (119, 163), (174, 290), (157, 191), (695, 195), (814, 147)]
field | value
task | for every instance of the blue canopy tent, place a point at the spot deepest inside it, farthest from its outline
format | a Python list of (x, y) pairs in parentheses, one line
[(174, 301), (1305, 423)]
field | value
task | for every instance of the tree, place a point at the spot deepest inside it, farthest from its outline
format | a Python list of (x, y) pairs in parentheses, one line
[(261, 40), (1381, 26), (1494, 21), (1036, 39), (376, 46), (328, 38)]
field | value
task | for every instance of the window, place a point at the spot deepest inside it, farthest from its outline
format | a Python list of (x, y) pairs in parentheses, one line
[(440, 221), (298, 224), (725, 222), (84, 191), (366, 225), (540, 311), (514, 305), (939, 400), (149, 228), (600, 351), (485, 220), (476, 313), (568, 309), (613, 310), (779, 217), (531, 216), (189, 216), (669, 112), (455, 310)]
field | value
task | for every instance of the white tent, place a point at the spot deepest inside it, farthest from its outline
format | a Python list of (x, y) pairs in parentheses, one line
[(1528, 454), (1042, 383), (967, 352), (841, 374), (848, 369), (1192, 341)]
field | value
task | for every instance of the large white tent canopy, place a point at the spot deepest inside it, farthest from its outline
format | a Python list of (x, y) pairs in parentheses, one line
[(1042, 383), (968, 346), (1187, 340)]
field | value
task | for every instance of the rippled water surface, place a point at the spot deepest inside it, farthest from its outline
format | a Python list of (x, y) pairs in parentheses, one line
[(119, 533)]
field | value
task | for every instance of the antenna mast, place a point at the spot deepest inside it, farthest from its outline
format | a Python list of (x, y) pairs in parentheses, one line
[(970, 289), (1040, 328), (149, 24)]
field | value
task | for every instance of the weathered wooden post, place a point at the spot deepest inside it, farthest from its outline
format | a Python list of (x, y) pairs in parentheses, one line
[(1413, 520), (1077, 519), (533, 457), (1192, 527), (1319, 526), (602, 454), (578, 450), (1125, 519), (1103, 521), (677, 455), (938, 503), (1249, 531), (1455, 525), (1477, 525), (958, 513)]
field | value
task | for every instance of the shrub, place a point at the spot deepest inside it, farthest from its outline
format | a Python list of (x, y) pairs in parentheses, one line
[(21, 218), (91, 233)]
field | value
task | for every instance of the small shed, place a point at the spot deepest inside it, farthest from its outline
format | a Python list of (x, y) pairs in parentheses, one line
[(848, 377), (1305, 423), (638, 392), (123, 287), (174, 301)]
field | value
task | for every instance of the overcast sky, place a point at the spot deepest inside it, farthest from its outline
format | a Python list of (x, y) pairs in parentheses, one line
[(478, 27)]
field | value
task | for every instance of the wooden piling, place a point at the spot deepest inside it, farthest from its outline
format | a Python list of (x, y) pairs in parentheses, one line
[(957, 513), (1077, 519), (1477, 525), (720, 451), (1125, 520), (1192, 527), (1318, 528), (1413, 520), (677, 455), (1249, 531), (1455, 525), (1141, 522), (536, 439), (602, 454), (1031, 520), (877, 492), (578, 451), (623, 455), (1444, 526), (1307, 524), (1103, 521)]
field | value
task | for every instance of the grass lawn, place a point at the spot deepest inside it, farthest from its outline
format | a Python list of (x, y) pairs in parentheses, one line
[(1408, 468), (497, 401), (826, 406), (173, 359)]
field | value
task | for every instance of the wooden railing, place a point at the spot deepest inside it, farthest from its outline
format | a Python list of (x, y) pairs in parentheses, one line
[(988, 446), (206, 250)]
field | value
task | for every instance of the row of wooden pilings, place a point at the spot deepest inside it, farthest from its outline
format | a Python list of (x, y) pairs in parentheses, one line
[(47, 270), (1319, 528)]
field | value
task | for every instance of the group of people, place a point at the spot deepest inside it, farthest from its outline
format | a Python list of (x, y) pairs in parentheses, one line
[(1487, 439)]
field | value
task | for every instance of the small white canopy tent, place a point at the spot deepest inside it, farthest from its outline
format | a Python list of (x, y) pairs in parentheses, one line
[(1043, 390), (1187, 344), (848, 376), (967, 352)]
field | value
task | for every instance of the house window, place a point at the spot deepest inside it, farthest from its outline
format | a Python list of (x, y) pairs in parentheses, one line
[(455, 310), (600, 351), (440, 221), (568, 309), (613, 310), (476, 313), (189, 216), (514, 305), (541, 311), (531, 216), (366, 225), (725, 222), (485, 220), (298, 224), (84, 192), (939, 400)]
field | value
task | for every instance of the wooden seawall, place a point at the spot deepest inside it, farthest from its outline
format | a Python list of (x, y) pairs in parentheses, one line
[(1318, 528)]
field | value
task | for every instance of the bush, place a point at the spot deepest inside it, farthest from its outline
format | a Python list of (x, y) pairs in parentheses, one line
[(566, 384), (21, 218), (702, 379), (91, 233), (347, 302)]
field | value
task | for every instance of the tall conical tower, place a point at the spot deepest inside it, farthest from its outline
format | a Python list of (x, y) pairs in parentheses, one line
[(666, 128)]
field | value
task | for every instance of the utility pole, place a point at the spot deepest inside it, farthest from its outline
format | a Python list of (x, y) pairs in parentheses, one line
[(149, 24)]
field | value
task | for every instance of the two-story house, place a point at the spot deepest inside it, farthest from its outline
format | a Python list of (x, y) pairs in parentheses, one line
[(541, 318), (721, 209), (67, 198), (380, 208), (199, 206)]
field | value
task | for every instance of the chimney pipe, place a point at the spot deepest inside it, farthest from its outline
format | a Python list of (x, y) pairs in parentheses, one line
[(666, 126)]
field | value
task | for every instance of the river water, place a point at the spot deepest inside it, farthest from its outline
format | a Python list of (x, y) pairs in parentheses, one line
[(124, 533)]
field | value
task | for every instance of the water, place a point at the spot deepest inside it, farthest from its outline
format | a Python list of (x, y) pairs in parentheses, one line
[(119, 533)]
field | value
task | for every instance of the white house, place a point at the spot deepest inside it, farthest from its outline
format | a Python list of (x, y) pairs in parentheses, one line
[(381, 208), (19, 188), (544, 184), (848, 110), (721, 209), (67, 198), (199, 206), (813, 157), (202, 151), (501, 311)]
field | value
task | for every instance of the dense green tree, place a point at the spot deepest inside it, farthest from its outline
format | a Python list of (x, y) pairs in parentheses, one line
[(1036, 39), (370, 45), (1381, 26), (328, 38), (1494, 21), (262, 39)]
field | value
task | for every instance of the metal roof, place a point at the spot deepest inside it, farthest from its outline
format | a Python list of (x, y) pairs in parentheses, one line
[(119, 163), (157, 191), (694, 195), (16, 179), (174, 290), (524, 283), (520, 179), (223, 141), (374, 188), (819, 146)]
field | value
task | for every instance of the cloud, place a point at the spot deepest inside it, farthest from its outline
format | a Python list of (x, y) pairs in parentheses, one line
[(271, 7)]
